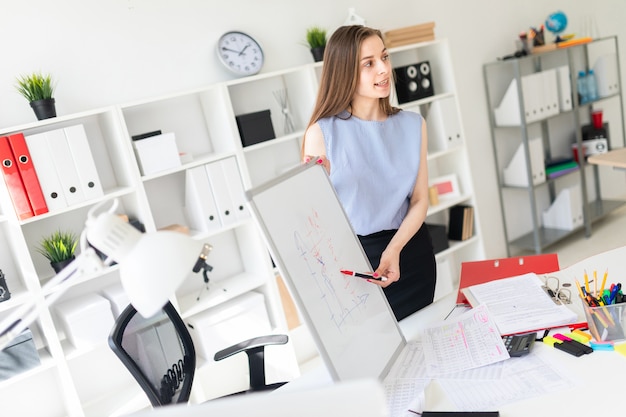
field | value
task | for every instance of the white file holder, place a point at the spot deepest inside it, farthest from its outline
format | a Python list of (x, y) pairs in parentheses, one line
[(200, 207), (444, 127), (541, 99), (565, 88), (566, 212), (516, 173), (607, 79)]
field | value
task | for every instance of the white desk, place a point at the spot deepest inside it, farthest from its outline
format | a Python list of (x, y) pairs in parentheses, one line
[(600, 374)]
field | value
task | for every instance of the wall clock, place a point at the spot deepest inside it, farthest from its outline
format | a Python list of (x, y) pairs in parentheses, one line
[(240, 53)]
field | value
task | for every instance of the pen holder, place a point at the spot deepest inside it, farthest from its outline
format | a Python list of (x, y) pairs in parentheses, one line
[(607, 323)]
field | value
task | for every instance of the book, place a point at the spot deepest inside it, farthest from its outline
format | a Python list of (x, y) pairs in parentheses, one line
[(29, 176), (46, 172), (13, 180), (461, 222), (88, 178), (562, 172), (520, 304)]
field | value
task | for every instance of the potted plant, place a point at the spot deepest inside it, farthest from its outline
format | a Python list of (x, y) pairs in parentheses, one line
[(38, 89), (316, 39), (58, 248)]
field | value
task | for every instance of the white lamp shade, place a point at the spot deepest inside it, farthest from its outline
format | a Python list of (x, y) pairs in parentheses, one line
[(156, 267), (152, 265)]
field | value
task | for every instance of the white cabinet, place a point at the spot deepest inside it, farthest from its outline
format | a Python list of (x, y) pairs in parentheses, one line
[(204, 193), (536, 119)]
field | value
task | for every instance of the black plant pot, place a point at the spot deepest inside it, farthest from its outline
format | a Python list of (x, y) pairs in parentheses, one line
[(44, 108), (58, 266), (318, 53)]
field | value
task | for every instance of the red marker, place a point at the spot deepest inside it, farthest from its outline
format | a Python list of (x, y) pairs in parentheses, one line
[(364, 276)]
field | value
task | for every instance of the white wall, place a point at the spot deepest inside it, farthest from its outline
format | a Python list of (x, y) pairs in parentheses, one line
[(106, 52)]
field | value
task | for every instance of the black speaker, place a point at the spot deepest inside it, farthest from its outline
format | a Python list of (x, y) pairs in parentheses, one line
[(414, 82)]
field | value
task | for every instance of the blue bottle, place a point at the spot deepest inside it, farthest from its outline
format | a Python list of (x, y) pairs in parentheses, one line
[(582, 88), (592, 87)]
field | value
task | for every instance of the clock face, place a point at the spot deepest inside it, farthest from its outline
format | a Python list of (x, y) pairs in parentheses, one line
[(240, 53)]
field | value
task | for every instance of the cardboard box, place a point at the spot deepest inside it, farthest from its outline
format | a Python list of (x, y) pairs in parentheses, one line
[(86, 320), (255, 127), (157, 153)]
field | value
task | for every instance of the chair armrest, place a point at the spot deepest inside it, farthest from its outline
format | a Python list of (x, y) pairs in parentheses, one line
[(251, 344)]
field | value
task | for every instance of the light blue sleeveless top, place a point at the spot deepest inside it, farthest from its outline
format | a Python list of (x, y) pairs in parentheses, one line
[(373, 167)]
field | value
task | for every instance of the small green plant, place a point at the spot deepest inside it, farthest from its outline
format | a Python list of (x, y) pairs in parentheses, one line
[(59, 246), (316, 37), (35, 86)]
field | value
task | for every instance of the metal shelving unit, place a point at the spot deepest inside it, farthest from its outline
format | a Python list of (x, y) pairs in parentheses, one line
[(559, 128)]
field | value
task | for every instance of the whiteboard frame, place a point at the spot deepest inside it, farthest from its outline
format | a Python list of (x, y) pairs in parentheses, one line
[(312, 319)]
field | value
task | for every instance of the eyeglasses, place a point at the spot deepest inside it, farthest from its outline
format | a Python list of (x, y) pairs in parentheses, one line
[(561, 294)]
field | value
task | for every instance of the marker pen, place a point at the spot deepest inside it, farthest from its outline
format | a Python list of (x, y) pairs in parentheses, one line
[(361, 275)]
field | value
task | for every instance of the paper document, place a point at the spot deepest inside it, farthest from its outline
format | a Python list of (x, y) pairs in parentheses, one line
[(520, 304), (521, 378), (468, 341)]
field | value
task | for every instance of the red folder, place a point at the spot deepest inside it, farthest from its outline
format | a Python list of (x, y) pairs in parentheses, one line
[(28, 173), (479, 272), (13, 180)]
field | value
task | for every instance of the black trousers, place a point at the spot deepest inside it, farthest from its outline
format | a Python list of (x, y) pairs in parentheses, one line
[(418, 272)]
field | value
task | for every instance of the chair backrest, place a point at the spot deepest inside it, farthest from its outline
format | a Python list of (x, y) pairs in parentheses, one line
[(158, 351)]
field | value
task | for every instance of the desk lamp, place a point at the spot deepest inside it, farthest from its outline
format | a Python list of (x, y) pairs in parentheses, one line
[(147, 280)]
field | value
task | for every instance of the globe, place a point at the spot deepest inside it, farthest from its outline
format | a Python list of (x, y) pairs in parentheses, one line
[(556, 23)]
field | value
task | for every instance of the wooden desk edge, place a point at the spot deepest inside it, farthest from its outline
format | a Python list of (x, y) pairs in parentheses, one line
[(615, 158)]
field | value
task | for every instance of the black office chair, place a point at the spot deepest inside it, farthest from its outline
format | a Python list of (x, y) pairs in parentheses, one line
[(159, 353), (255, 349)]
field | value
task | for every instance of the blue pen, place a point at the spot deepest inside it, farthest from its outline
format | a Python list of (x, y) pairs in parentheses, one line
[(613, 294)]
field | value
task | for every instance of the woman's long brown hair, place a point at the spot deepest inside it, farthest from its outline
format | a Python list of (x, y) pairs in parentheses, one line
[(340, 73)]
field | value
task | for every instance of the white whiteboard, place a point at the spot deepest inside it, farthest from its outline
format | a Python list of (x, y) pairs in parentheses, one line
[(311, 240)]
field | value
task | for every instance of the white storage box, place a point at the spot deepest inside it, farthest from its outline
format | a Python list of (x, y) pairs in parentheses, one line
[(117, 298), (86, 320), (232, 322), (157, 153)]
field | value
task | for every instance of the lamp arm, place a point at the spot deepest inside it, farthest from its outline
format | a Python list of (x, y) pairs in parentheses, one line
[(87, 262), (114, 238)]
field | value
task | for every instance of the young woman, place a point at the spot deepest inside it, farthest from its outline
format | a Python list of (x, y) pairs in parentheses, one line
[(376, 158)]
